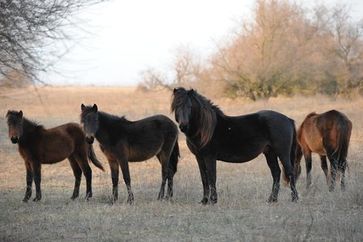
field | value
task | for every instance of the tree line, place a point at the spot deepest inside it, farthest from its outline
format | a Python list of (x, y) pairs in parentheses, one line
[(285, 49)]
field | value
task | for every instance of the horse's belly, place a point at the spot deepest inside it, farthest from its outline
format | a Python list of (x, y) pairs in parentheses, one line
[(239, 156)]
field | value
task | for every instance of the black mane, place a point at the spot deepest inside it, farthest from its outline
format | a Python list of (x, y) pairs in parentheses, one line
[(110, 118), (208, 112), (32, 123)]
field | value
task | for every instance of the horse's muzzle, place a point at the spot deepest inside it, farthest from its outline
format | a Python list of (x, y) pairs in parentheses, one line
[(90, 140), (14, 139)]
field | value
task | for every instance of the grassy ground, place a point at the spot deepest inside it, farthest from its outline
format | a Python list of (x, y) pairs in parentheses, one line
[(240, 215)]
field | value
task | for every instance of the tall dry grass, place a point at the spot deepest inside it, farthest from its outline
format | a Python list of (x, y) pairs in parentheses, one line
[(240, 215)]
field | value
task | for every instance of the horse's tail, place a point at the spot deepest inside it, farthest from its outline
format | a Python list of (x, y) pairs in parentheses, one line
[(344, 128), (293, 151), (92, 156), (174, 158)]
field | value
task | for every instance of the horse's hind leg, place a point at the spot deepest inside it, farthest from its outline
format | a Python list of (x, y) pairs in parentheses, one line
[(285, 158), (273, 164), (307, 156), (324, 167), (77, 172), (333, 173), (342, 168), (333, 163)]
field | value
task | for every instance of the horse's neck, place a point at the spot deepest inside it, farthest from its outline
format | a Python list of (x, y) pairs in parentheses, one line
[(30, 131), (107, 128), (30, 127)]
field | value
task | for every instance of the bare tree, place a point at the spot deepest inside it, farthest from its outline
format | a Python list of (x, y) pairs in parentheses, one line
[(185, 71), (152, 79), (27, 31), (186, 67)]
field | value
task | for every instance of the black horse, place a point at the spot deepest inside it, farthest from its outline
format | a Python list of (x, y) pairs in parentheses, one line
[(122, 141), (212, 135)]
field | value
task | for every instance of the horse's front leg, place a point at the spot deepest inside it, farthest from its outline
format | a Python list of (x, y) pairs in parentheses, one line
[(114, 166), (204, 177), (164, 172), (29, 181), (37, 179), (126, 175), (170, 177), (212, 178)]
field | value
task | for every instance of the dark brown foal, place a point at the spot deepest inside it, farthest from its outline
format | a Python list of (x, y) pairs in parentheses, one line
[(38, 145)]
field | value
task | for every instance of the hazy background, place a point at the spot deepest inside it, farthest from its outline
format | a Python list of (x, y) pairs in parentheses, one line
[(124, 38)]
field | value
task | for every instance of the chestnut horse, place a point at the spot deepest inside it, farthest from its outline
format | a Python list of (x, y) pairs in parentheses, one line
[(38, 145), (326, 134)]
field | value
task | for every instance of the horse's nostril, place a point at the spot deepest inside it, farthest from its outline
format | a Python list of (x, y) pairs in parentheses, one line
[(14, 140)]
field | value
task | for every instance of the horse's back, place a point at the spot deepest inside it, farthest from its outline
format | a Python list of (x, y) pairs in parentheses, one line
[(60, 142), (155, 124), (279, 125)]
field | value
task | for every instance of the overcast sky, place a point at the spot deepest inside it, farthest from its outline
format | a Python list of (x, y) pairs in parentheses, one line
[(127, 37)]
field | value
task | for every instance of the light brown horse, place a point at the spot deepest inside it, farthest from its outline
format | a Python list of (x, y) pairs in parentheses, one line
[(328, 135), (38, 145)]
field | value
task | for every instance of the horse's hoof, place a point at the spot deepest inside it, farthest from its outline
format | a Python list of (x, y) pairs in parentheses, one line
[(25, 200), (294, 198), (204, 201), (272, 199), (213, 200), (130, 199), (37, 199), (88, 196)]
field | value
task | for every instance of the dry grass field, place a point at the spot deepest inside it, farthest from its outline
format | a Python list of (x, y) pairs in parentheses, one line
[(241, 214)]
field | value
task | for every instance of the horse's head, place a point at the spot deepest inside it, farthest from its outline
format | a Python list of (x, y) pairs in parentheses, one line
[(182, 107), (89, 120), (15, 124), (195, 114)]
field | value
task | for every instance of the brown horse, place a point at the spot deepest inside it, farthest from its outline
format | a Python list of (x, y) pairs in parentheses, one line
[(326, 134), (124, 141), (38, 145)]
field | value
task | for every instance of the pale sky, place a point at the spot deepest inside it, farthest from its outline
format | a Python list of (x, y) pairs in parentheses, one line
[(128, 37)]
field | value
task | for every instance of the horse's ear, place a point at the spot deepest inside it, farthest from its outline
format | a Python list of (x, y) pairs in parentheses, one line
[(174, 90), (21, 114), (95, 108), (83, 107), (7, 114)]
